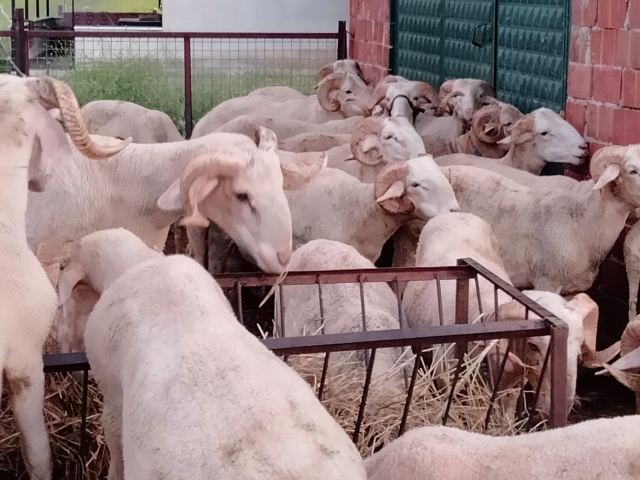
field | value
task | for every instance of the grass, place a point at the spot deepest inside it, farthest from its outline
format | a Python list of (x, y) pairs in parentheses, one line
[(155, 85)]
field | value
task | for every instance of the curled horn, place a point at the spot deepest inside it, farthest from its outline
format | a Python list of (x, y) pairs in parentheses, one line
[(484, 116), (388, 176), (379, 94), (629, 358), (604, 157), (445, 89), (53, 93), (327, 85), (211, 164), (445, 102), (591, 358), (326, 71), (427, 91), (368, 126)]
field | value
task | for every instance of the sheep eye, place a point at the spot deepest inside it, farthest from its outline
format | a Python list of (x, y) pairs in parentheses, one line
[(508, 124), (242, 197), (534, 348), (633, 172), (544, 134), (415, 184), (388, 137)]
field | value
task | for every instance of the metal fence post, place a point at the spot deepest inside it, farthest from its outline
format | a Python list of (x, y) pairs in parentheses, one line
[(558, 344), (188, 113), (462, 309), (21, 55), (342, 40)]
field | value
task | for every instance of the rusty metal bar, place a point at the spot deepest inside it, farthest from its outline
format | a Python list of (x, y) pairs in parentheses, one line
[(155, 34), (456, 377), (496, 386), (558, 345), (412, 385), (188, 112), (364, 316), (536, 396), (348, 276), (365, 394), (462, 312), (439, 293), (83, 416)]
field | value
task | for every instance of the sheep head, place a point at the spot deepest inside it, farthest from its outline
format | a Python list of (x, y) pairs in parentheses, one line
[(464, 96), (238, 184), (627, 368), (343, 66), (415, 187), (384, 139), (618, 166), (547, 136), (345, 93), (493, 123), (398, 97), (34, 105)]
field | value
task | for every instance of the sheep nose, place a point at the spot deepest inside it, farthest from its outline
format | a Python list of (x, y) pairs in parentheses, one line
[(284, 257)]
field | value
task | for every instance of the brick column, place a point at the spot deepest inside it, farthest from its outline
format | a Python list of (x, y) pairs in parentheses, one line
[(369, 36)]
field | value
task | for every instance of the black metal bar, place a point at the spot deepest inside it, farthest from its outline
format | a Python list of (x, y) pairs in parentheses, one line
[(456, 377), (226, 280), (401, 319), (439, 293), (48, 8), (558, 346), (139, 34), (20, 42), (188, 111), (545, 363), (412, 385), (26, 9), (73, 14), (462, 311), (239, 294), (321, 304), (364, 317), (83, 421), (282, 327), (37, 9), (323, 378), (342, 40), (365, 394), (496, 386)]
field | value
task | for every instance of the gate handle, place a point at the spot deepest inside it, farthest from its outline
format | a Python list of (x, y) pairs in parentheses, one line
[(474, 41)]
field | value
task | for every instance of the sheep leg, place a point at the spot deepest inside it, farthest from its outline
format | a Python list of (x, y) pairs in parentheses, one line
[(631, 250), (112, 424), (27, 401)]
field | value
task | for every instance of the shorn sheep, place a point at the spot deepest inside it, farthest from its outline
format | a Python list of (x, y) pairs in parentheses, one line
[(602, 448), (538, 138), (33, 145), (342, 309), (233, 180), (229, 408), (339, 96), (554, 239), (116, 118), (337, 206)]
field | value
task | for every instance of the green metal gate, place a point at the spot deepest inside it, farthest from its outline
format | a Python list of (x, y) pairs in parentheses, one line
[(525, 58)]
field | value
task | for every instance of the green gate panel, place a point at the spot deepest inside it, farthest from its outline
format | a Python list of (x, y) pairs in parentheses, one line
[(435, 40), (532, 53)]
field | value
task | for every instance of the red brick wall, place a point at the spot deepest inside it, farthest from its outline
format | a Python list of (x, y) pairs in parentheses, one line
[(604, 71), (369, 36)]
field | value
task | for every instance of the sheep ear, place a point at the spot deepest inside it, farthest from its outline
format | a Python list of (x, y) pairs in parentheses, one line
[(170, 200), (609, 175), (50, 147), (505, 141), (396, 190), (70, 277)]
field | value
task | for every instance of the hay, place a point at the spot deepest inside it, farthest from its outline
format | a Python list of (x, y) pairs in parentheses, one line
[(342, 395)]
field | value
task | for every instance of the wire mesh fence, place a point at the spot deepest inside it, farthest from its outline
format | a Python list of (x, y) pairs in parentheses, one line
[(462, 388), (181, 74)]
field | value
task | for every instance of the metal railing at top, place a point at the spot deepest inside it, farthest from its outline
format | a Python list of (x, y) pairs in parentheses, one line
[(183, 74), (419, 339)]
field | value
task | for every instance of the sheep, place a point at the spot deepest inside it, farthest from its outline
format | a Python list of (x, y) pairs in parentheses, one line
[(287, 93), (339, 96), (314, 141), (554, 239), (601, 448), (34, 145), (538, 138), (337, 206), (375, 142), (342, 310), (419, 102), (148, 187), (631, 251), (283, 127), (230, 408), (116, 118), (490, 124), (627, 368)]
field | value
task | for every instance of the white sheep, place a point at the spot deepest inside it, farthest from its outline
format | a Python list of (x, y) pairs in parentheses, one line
[(342, 309), (314, 141), (601, 448), (538, 138), (489, 125), (554, 240), (116, 118), (283, 127), (229, 408), (229, 179), (339, 96), (337, 206), (35, 147)]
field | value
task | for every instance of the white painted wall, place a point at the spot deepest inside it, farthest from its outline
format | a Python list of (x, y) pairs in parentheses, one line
[(287, 16)]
